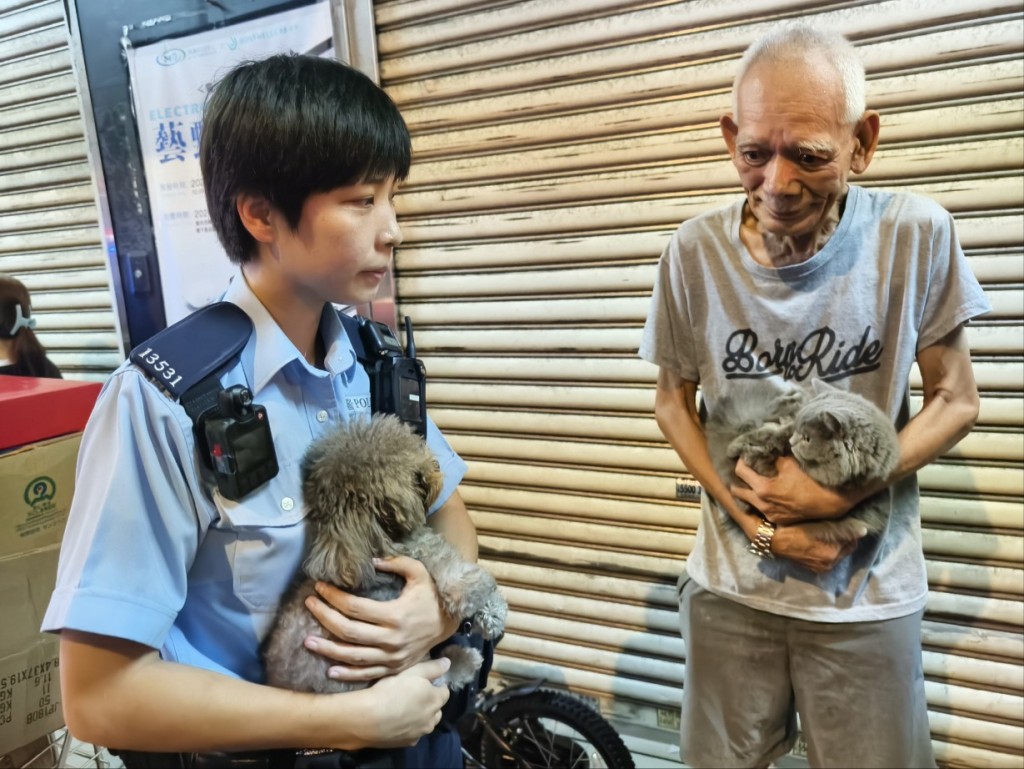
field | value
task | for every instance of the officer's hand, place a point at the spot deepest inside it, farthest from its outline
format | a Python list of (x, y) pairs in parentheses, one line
[(400, 709), (796, 544), (380, 638), (791, 496)]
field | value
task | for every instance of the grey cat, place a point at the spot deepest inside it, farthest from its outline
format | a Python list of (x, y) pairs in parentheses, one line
[(839, 439), (368, 485)]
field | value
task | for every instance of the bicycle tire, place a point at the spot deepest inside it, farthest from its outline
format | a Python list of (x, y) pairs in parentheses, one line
[(517, 719)]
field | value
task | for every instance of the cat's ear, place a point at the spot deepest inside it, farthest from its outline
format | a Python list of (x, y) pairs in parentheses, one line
[(832, 423), (819, 386)]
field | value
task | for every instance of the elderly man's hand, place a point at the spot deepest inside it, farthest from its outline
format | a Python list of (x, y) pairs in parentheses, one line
[(791, 496), (794, 543)]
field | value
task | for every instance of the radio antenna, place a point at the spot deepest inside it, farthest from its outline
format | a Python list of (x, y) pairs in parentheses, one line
[(410, 347)]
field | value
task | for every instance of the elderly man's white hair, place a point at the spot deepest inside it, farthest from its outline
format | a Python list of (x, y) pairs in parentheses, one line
[(804, 42)]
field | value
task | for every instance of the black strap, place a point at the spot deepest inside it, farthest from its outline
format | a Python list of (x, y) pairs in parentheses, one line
[(351, 325), (203, 396), (133, 759)]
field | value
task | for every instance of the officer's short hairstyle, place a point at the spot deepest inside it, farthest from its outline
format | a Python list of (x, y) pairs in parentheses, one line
[(803, 42), (289, 126)]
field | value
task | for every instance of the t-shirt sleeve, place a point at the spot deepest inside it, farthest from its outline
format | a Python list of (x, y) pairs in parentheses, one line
[(667, 339), (954, 295), (134, 528)]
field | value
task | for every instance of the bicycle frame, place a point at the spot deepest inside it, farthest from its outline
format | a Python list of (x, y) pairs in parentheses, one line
[(487, 700)]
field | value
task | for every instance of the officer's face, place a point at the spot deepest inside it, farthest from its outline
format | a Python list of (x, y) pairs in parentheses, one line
[(791, 146), (342, 248)]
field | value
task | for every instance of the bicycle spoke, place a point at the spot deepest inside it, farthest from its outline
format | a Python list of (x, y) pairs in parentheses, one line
[(550, 730), (582, 756), (549, 755)]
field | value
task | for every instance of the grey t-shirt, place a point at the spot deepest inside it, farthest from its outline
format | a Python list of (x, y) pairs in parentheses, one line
[(891, 281)]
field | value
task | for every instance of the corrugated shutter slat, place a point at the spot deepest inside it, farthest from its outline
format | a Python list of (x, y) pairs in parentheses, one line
[(50, 235), (557, 147)]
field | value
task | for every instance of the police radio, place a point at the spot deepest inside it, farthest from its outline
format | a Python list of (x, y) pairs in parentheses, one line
[(236, 443), (398, 380)]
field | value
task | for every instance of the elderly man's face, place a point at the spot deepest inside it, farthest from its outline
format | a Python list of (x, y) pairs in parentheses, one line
[(791, 147)]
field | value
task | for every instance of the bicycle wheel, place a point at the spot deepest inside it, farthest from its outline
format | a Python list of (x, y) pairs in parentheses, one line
[(548, 730)]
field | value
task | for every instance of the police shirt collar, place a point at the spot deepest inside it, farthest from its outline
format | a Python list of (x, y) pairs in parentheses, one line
[(270, 350), (340, 356)]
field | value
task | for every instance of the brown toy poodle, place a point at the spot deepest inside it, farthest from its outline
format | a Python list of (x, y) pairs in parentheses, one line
[(368, 485)]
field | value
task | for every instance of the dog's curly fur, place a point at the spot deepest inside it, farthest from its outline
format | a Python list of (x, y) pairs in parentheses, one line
[(368, 485)]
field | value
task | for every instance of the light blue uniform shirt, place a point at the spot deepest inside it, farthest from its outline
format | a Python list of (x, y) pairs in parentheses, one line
[(154, 554)]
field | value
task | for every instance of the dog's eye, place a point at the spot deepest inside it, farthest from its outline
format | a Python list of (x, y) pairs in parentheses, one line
[(436, 465)]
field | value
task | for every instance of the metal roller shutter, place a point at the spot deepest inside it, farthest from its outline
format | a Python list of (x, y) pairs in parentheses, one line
[(50, 237), (557, 147)]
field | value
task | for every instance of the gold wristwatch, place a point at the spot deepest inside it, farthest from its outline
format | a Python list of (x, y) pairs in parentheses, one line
[(762, 542)]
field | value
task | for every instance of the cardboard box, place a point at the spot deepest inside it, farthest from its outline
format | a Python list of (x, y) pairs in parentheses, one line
[(34, 409), (36, 486), (29, 678)]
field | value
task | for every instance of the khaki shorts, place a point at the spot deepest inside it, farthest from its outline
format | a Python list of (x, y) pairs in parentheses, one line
[(858, 687)]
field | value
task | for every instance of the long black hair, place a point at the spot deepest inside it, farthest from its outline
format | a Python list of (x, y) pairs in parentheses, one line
[(29, 355)]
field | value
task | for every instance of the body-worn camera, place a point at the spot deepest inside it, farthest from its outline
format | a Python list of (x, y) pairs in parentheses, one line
[(239, 448), (398, 381)]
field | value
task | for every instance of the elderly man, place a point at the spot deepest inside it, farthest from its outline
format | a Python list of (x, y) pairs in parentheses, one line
[(808, 277)]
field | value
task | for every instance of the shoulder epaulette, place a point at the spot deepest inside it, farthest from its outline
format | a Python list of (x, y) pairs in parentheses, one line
[(197, 346)]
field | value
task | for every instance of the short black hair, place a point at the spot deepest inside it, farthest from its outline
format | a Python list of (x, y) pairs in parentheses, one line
[(289, 126)]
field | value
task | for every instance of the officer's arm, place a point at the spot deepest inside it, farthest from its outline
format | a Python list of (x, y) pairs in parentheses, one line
[(452, 522), (120, 694)]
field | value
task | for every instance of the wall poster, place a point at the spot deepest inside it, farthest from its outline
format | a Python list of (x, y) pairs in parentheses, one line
[(169, 80)]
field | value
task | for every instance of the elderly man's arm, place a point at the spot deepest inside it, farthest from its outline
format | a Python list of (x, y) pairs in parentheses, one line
[(675, 409), (950, 407), (949, 412)]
